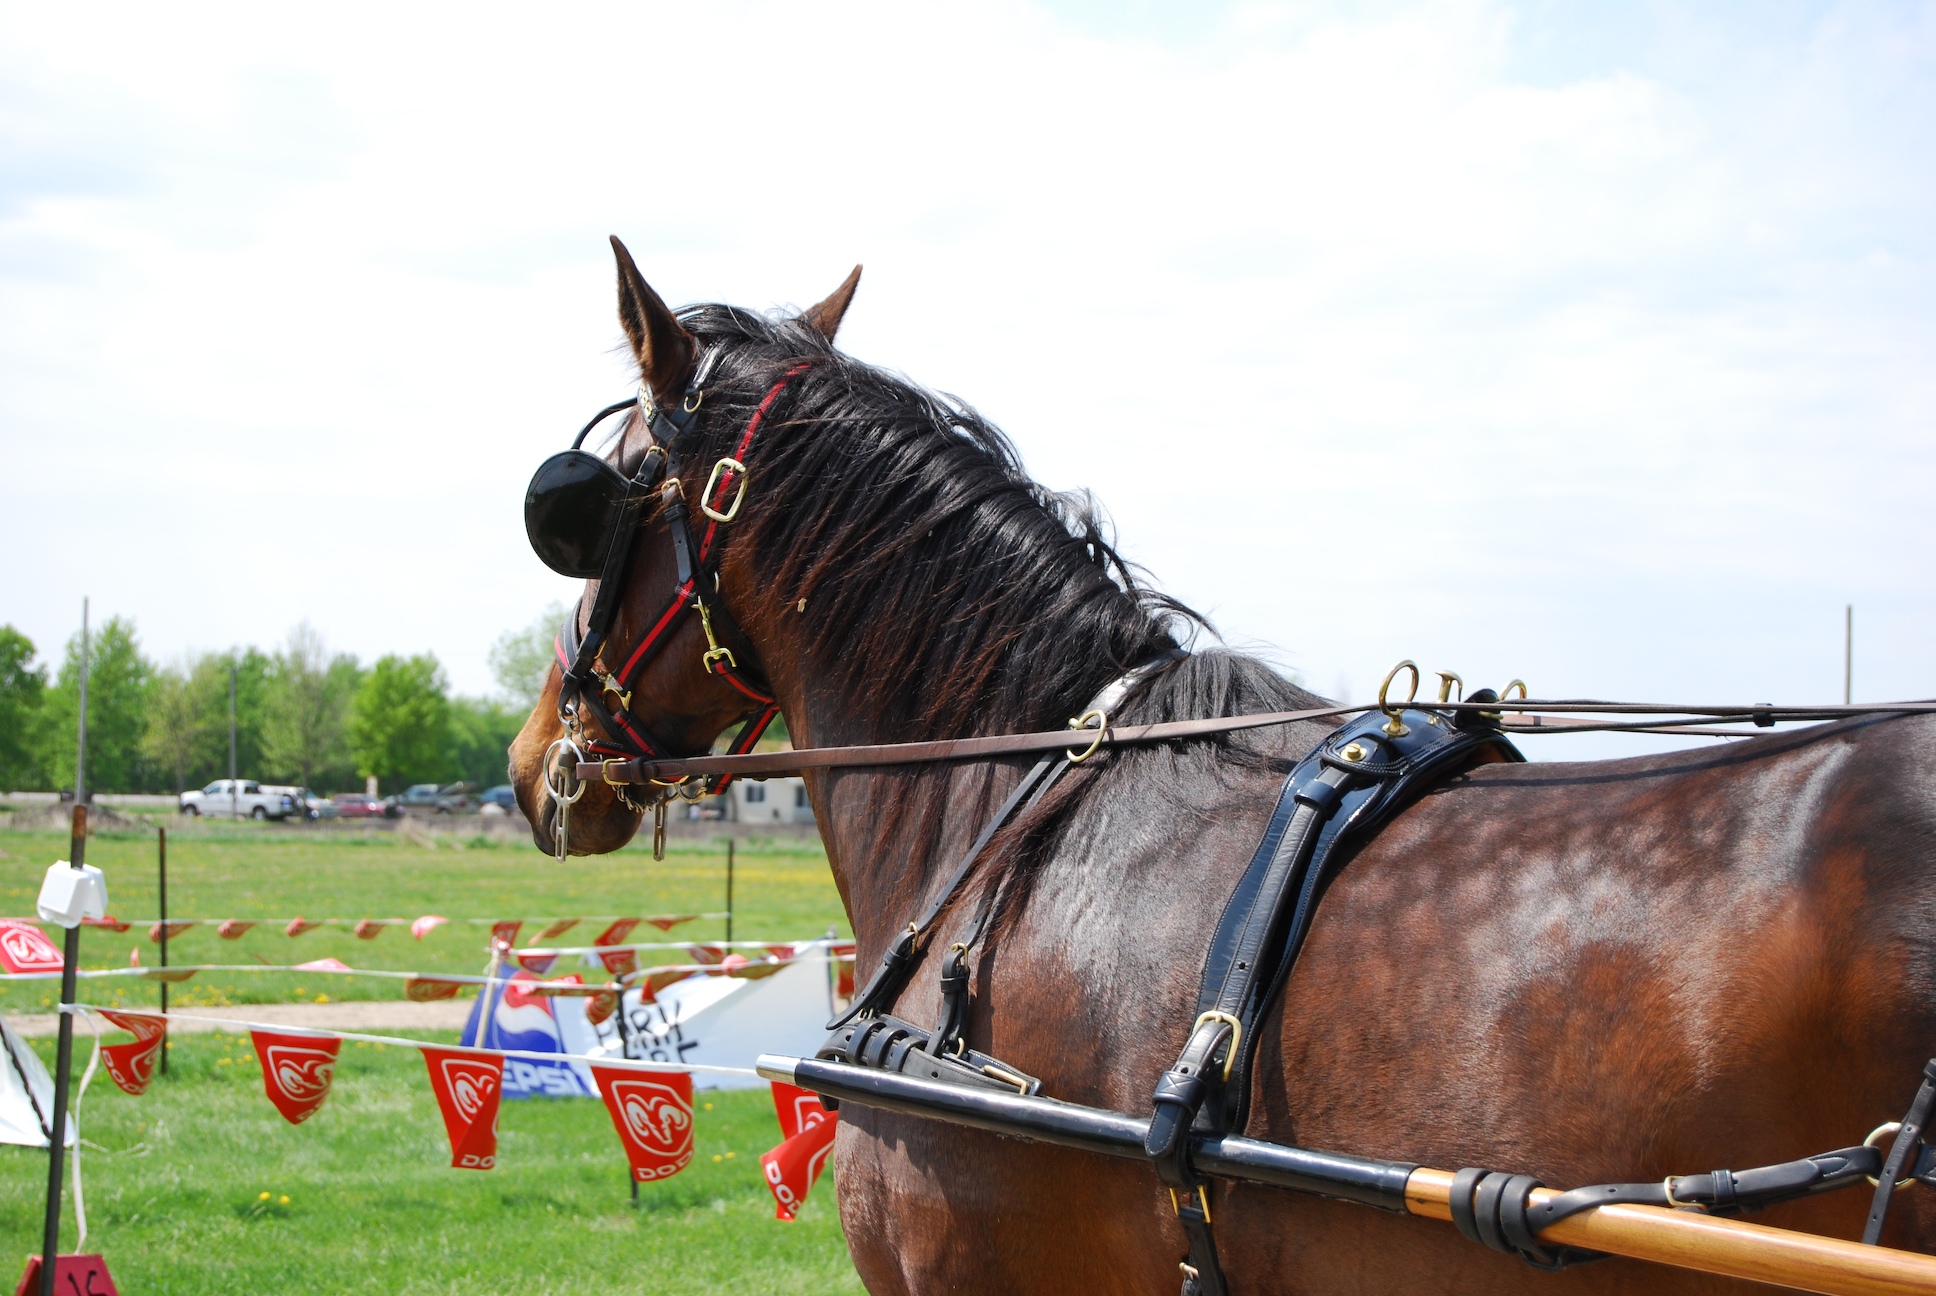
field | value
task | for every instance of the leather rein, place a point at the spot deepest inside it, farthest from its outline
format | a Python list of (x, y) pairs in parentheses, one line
[(1094, 731)]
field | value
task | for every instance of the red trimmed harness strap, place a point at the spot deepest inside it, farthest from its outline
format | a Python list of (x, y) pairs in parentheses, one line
[(728, 474)]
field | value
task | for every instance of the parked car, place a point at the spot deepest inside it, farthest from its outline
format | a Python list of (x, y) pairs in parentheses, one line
[(354, 805), (503, 796), (315, 805), (447, 798), (236, 797)]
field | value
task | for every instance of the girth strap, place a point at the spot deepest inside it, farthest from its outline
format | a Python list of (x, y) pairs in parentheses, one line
[(1357, 778)]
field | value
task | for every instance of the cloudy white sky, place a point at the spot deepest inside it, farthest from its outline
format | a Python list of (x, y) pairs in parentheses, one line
[(1585, 343)]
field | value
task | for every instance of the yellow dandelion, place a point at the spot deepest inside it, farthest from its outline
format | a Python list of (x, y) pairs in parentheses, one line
[(717, 1157), (284, 1199), (263, 1197), (322, 998), (709, 1106), (729, 1156)]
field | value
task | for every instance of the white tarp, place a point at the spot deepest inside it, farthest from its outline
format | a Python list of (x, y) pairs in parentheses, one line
[(26, 1095), (727, 1021)]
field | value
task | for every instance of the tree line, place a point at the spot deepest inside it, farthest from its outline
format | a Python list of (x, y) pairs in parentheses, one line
[(303, 714)]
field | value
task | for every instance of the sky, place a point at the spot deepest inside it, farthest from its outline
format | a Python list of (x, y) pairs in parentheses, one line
[(1587, 344)]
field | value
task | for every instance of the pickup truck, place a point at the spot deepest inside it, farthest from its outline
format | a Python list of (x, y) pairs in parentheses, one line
[(236, 797), (448, 798)]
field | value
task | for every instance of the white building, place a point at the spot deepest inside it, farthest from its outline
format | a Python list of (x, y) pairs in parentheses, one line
[(768, 801)]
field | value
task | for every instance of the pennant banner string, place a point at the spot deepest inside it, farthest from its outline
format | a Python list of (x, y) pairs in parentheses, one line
[(625, 1064)]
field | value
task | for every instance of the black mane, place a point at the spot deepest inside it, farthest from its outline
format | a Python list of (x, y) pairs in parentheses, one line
[(873, 495)]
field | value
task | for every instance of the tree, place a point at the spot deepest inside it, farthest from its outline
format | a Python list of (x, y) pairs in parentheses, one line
[(184, 739), (520, 659), (400, 721), (22, 687), (307, 703), (117, 711), (481, 732)]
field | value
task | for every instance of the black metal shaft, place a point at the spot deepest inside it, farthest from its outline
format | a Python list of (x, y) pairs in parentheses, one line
[(163, 871), (1364, 1180), (729, 890), (63, 1070)]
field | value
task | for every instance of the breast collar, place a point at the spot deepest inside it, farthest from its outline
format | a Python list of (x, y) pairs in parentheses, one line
[(588, 689)]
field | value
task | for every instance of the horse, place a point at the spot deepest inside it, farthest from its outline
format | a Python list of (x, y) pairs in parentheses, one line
[(1602, 971)]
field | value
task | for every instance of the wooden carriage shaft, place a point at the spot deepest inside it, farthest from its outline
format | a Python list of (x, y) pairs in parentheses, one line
[(1684, 1239)]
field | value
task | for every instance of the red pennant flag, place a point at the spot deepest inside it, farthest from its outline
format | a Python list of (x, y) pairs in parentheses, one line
[(430, 989), (708, 954), (296, 1070), (423, 926), (107, 922), (24, 949), (600, 1007), (539, 963), (132, 1066), (233, 929), (72, 1273), (843, 953), (792, 1167), (670, 921), (468, 1087), (507, 931), (324, 965), (297, 926), (174, 929), (617, 932), (652, 1112), (618, 962), (370, 928), (558, 928)]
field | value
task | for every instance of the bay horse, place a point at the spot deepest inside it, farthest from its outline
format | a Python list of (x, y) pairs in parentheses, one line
[(1591, 972)]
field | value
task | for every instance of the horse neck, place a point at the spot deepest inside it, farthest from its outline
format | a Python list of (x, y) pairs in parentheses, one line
[(891, 833)]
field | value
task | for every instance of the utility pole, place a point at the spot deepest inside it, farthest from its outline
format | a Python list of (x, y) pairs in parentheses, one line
[(234, 805), (1848, 654), (80, 754)]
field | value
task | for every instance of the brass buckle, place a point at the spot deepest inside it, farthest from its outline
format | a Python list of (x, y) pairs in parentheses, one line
[(605, 770), (1880, 1135), (1393, 725), (1236, 1035), (1203, 1202), (715, 652), (725, 465), (1081, 722), (609, 684)]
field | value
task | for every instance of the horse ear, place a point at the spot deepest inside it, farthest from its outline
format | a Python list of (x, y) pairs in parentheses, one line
[(825, 318), (660, 343)]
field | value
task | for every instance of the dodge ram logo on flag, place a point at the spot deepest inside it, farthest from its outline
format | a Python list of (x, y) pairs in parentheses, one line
[(468, 1087), (24, 949), (792, 1167), (653, 1116), (296, 1071), (132, 1066)]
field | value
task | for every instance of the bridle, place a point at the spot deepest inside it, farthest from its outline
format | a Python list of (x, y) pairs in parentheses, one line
[(580, 515)]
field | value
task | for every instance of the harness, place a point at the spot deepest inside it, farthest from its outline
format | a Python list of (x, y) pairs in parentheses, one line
[(591, 689), (1332, 802)]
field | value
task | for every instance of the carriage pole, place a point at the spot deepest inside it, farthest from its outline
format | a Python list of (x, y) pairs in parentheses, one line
[(1707, 1243)]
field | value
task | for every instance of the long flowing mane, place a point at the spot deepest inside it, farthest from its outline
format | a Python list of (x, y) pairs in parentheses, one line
[(960, 595)]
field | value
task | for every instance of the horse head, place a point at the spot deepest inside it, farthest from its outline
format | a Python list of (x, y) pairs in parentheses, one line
[(657, 656)]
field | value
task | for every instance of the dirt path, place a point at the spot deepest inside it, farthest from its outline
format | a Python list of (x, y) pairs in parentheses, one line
[(373, 1016)]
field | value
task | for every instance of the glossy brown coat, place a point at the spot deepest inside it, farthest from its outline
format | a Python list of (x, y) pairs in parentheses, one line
[(1588, 972)]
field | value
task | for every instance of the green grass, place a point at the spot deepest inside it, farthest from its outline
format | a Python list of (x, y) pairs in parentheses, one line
[(782, 890), (174, 1193)]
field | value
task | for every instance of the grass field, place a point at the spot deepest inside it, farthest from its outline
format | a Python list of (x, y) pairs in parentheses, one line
[(175, 1178), (782, 890), (175, 1182)]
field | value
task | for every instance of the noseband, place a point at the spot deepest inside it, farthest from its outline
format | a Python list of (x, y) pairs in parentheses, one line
[(589, 688)]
